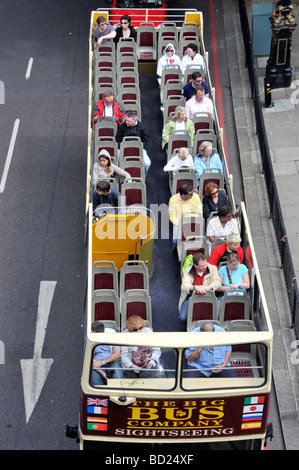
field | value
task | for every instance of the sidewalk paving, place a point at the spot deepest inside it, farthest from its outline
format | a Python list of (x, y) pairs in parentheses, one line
[(282, 123)]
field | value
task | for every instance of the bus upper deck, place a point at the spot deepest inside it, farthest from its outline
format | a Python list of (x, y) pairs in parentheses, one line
[(166, 402)]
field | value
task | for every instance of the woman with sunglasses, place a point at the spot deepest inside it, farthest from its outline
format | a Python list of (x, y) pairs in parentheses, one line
[(137, 361), (213, 199), (169, 57), (125, 30)]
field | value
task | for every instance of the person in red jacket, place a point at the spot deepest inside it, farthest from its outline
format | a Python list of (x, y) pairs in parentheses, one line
[(108, 107), (220, 252)]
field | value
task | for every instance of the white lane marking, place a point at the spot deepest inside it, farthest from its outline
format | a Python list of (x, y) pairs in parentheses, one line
[(9, 154), (29, 67), (35, 371)]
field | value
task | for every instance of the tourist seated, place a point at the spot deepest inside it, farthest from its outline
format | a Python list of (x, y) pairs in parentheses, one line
[(141, 361), (207, 158), (231, 245), (192, 57), (169, 57), (233, 275), (183, 159), (177, 123), (105, 363), (213, 199), (125, 30), (209, 361), (221, 225)]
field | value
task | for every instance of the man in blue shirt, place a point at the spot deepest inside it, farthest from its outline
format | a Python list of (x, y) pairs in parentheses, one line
[(196, 80), (105, 360), (211, 360)]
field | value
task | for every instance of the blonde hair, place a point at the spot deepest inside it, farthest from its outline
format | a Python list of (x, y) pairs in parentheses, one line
[(135, 321), (233, 238), (178, 111)]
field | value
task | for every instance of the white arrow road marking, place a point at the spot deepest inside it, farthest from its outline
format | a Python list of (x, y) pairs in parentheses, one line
[(35, 371)]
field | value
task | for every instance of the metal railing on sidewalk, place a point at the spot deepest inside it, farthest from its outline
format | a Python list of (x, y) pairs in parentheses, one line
[(274, 202)]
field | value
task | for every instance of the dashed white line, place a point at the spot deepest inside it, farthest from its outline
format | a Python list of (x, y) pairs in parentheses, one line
[(9, 155), (29, 67)]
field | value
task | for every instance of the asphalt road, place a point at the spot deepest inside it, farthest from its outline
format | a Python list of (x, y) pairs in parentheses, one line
[(42, 214), (42, 203)]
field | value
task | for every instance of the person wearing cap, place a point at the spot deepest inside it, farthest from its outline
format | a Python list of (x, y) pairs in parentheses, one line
[(105, 363), (105, 169)]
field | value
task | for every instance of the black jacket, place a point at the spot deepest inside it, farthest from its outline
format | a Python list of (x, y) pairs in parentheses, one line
[(134, 131)]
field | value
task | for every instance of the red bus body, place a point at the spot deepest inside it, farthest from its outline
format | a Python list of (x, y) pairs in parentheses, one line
[(179, 419), (150, 12)]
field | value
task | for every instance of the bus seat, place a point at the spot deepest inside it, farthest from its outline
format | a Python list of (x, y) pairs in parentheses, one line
[(189, 70), (126, 47), (212, 175), (134, 192), (105, 276), (146, 42), (171, 72), (191, 225), (133, 275), (105, 307), (203, 122), (104, 128), (234, 305), (135, 168), (131, 147), (197, 244), (136, 302), (201, 308), (241, 325), (183, 176), (178, 139), (244, 360), (105, 144), (203, 136), (127, 79), (169, 32), (170, 104)]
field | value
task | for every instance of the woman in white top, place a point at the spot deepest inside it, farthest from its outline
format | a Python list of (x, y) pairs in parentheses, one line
[(169, 57), (192, 57), (183, 159)]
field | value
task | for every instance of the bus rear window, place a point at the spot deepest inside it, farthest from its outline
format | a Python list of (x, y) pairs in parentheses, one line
[(246, 362), (133, 367)]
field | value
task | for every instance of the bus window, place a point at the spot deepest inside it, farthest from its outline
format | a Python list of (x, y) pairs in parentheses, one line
[(241, 361), (133, 367)]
